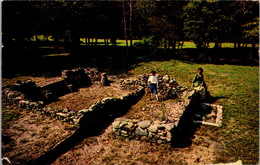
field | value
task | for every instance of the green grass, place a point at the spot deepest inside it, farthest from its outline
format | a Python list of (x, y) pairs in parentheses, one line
[(101, 42), (238, 90), (41, 38), (187, 44)]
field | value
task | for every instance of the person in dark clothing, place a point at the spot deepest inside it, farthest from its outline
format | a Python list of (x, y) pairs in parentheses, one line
[(198, 80)]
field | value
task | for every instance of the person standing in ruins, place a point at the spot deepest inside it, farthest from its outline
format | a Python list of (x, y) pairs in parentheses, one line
[(153, 84)]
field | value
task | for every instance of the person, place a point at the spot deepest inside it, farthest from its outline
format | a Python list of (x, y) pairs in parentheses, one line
[(198, 80), (199, 84), (153, 84)]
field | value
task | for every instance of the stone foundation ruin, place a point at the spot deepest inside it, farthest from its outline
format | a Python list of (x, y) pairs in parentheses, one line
[(158, 131), (32, 97)]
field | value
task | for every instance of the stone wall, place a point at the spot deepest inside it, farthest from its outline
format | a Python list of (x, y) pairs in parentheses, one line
[(151, 131), (168, 88), (29, 96), (24, 94), (108, 108), (79, 77), (160, 132), (76, 77)]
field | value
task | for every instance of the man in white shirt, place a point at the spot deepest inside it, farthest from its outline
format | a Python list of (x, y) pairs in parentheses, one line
[(153, 83)]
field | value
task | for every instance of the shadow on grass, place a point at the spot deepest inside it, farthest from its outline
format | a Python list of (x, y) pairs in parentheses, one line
[(183, 135), (212, 100), (47, 62)]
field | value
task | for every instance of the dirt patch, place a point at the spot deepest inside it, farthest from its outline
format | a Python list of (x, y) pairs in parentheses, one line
[(40, 81), (104, 149), (224, 74), (31, 135), (87, 96), (81, 99), (147, 109)]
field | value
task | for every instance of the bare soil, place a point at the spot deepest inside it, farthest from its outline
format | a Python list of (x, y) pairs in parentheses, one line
[(87, 96), (31, 135), (147, 109), (40, 81), (104, 149)]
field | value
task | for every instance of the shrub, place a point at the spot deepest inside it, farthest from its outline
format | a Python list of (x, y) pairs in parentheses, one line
[(145, 42)]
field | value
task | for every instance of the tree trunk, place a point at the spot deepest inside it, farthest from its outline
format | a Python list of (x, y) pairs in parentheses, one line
[(251, 52), (207, 44), (125, 24), (130, 30), (253, 45), (36, 38), (216, 45), (174, 45), (165, 45), (239, 45)]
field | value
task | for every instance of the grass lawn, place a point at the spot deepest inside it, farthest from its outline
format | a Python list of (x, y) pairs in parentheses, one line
[(187, 44), (237, 88)]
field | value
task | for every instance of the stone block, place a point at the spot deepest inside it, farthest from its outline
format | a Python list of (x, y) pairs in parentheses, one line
[(62, 114), (124, 133), (83, 111), (65, 110), (169, 126), (122, 124), (159, 141), (153, 128), (141, 132), (116, 124), (144, 124)]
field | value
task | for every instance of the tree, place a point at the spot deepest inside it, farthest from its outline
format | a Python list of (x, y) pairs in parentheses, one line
[(239, 13), (18, 22), (205, 22), (162, 20), (251, 32)]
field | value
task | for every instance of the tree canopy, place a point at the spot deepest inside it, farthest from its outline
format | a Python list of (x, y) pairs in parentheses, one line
[(165, 22)]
